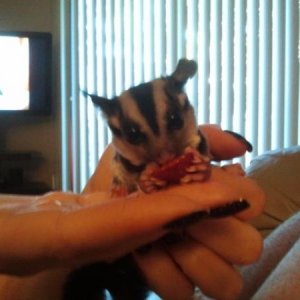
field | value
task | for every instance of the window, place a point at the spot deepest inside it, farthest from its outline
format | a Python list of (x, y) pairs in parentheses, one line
[(248, 56)]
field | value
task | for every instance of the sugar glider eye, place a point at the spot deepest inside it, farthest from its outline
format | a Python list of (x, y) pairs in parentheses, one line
[(116, 131), (134, 135), (174, 121)]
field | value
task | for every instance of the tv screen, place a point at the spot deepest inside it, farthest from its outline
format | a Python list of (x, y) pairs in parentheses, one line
[(25, 72)]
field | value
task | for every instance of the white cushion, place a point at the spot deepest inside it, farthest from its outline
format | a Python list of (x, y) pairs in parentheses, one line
[(278, 173)]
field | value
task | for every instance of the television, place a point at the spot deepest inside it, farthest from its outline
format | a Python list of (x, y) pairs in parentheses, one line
[(25, 73)]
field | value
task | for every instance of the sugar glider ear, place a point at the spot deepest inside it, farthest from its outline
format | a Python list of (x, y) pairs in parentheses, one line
[(109, 107), (185, 69)]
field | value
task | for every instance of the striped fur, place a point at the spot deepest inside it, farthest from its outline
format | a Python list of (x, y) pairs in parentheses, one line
[(149, 121)]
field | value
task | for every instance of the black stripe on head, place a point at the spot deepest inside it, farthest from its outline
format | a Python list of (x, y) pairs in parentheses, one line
[(172, 91), (174, 116), (143, 95)]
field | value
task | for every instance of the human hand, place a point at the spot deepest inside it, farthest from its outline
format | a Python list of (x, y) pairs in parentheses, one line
[(67, 230), (205, 256)]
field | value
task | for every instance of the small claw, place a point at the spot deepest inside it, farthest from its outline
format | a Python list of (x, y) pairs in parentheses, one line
[(186, 179), (191, 169), (158, 182), (197, 160), (196, 177), (199, 177), (202, 167), (148, 188), (151, 190)]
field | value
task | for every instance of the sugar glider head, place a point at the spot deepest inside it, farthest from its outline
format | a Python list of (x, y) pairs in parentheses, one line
[(154, 118)]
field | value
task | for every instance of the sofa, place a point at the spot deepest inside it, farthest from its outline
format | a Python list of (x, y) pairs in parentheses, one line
[(278, 173)]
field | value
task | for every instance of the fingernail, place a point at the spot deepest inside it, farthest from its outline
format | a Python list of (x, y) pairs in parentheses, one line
[(188, 220), (249, 146), (229, 209), (216, 212)]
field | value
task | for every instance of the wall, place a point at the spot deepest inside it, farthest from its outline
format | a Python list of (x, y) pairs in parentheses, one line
[(32, 133)]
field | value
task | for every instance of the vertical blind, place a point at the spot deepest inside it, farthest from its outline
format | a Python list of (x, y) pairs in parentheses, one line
[(248, 77)]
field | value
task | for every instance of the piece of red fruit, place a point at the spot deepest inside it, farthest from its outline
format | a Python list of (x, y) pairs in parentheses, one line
[(174, 170)]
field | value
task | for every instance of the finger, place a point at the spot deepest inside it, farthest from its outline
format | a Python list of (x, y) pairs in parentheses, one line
[(214, 277), (234, 169), (247, 200), (219, 236), (163, 275), (110, 254), (245, 187), (224, 145), (102, 177)]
